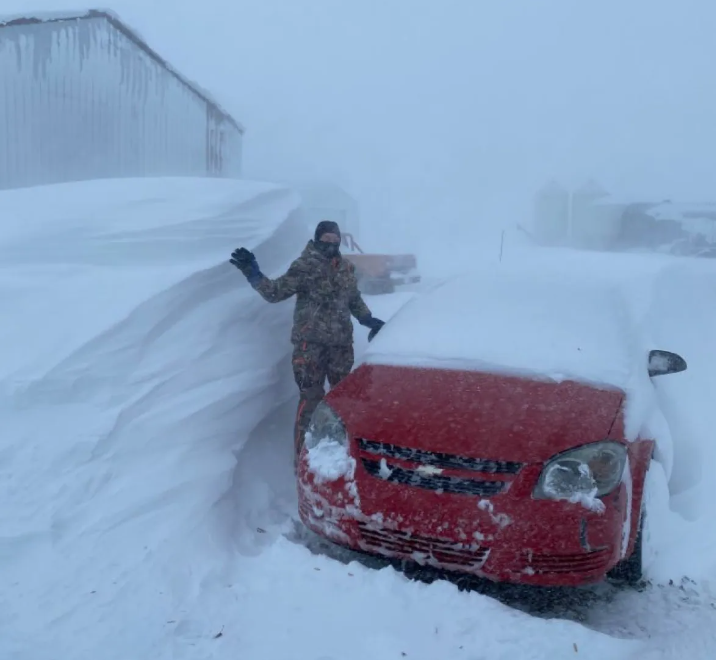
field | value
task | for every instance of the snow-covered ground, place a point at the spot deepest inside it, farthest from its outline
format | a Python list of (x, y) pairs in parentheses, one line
[(147, 504)]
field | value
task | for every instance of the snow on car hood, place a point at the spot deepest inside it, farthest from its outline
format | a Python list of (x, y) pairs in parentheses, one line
[(514, 321)]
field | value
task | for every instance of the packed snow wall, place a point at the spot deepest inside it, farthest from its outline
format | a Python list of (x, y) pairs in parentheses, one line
[(84, 97), (133, 314)]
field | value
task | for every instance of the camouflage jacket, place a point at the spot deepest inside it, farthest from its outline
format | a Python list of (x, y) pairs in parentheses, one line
[(326, 293)]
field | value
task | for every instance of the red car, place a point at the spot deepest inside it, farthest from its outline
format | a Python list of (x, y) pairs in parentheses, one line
[(507, 476)]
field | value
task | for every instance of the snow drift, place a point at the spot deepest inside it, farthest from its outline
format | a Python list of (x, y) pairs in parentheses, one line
[(137, 363)]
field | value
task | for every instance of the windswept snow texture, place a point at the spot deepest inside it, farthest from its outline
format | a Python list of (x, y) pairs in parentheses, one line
[(137, 362), (145, 453), (516, 320)]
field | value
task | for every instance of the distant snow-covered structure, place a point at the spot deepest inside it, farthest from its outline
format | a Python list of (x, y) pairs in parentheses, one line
[(85, 97), (696, 219), (590, 218), (582, 218)]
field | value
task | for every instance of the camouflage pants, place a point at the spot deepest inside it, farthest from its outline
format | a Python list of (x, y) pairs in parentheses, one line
[(312, 365)]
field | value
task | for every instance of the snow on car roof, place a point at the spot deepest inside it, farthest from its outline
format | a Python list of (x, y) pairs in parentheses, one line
[(551, 323)]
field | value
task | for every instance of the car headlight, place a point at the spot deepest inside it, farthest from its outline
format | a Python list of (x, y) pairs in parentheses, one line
[(592, 470), (325, 424)]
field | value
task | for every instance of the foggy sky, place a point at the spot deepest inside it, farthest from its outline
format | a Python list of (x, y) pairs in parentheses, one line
[(449, 113)]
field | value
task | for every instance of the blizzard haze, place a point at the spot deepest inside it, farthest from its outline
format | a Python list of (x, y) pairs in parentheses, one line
[(443, 118)]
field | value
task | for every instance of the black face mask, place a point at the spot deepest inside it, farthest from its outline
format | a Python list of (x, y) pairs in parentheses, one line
[(327, 249)]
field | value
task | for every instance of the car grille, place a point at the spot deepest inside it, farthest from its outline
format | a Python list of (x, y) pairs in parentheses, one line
[(439, 459), (422, 548), (437, 482), (455, 485), (586, 562)]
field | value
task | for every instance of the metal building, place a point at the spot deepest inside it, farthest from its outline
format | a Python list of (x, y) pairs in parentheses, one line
[(82, 96)]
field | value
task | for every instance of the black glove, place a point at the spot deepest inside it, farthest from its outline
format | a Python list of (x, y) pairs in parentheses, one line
[(246, 262), (374, 324)]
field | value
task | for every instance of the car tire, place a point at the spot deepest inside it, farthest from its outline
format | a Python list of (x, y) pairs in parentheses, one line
[(631, 570)]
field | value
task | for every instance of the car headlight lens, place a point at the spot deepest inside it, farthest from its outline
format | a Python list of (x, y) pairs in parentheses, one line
[(593, 470), (325, 425)]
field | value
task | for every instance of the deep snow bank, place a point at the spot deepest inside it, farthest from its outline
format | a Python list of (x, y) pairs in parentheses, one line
[(79, 257), (137, 361), (682, 315)]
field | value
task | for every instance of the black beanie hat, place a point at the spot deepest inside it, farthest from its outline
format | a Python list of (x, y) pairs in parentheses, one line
[(326, 227)]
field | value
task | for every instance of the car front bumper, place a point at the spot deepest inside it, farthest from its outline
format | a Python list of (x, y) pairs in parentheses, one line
[(509, 537)]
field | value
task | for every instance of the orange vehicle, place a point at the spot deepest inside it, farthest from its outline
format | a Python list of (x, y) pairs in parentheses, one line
[(380, 273)]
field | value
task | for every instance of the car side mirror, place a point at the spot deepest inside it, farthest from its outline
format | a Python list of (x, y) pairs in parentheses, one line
[(662, 363)]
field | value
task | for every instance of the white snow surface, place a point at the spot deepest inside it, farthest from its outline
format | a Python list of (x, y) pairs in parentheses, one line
[(329, 460), (146, 489), (515, 319)]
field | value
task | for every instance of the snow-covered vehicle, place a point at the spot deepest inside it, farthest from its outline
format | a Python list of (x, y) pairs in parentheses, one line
[(693, 246), (494, 428)]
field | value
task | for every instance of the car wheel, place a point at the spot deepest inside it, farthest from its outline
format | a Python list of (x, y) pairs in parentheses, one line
[(631, 570)]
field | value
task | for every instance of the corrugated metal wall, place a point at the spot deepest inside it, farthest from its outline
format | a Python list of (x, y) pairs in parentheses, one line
[(79, 99)]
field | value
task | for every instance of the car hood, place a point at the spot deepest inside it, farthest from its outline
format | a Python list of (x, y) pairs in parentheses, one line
[(473, 414)]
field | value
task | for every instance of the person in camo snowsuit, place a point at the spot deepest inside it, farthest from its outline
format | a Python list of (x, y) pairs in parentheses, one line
[(327, 295)]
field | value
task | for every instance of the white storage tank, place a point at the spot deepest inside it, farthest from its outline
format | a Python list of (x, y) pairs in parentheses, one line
[(551, 215), (596, 218)]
